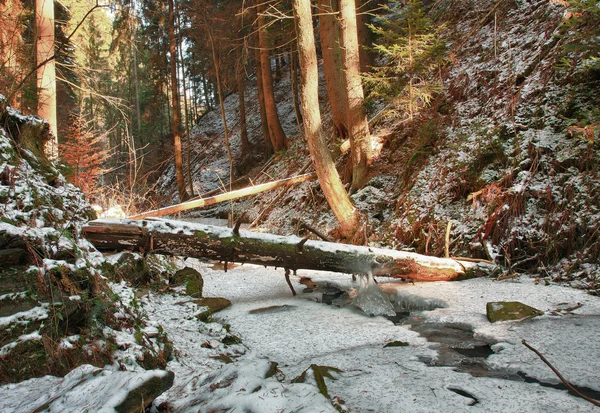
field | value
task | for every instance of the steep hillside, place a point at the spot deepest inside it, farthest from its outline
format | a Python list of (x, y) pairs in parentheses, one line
[(58, 309), (496, 155)]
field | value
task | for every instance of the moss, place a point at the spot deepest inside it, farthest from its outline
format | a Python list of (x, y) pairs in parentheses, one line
[(231, 340), (510, 310), (396, 344)]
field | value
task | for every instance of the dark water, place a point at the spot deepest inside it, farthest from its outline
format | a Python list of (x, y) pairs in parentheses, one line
[(456, 343)]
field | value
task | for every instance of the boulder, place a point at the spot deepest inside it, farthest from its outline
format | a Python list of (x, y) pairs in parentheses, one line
[(191, 278), (213, 305), (510, 310)]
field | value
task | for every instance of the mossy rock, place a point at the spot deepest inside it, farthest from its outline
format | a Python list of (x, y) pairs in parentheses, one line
[(214, 304), (510, 310), (191, 278), (145, 392), (133, 269), (396, 343)]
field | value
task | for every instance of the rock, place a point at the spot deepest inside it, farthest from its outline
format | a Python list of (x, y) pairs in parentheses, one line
[(91, 389), (214, 304), (145, 391), (191, 278), (12, 256), (510, 310), (396, 343), (133, 269)]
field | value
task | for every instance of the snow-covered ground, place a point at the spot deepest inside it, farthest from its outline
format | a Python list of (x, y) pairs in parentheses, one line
[(299, 331), (214, 371)]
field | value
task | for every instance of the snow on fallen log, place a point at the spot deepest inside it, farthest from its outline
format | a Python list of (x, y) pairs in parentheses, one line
[(180, 238)]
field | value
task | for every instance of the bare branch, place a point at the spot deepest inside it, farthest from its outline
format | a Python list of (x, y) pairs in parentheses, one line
[(565, 382)]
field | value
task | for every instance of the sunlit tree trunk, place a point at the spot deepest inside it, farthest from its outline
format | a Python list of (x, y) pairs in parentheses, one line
[(46, 74), (358, 126), (183, 195), (278, 138), (330, 182), (332, 65)]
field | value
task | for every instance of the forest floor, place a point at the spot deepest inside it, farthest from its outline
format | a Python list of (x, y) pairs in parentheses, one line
[(450, 358), (439, 353)]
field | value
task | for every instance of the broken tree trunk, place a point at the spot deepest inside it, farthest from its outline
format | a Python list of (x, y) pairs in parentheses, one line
[(179, 238), (240, 193)]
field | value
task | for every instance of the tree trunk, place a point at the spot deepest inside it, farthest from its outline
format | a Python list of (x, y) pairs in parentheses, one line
[(242, 106), (227, 196), (264, 124), (46, 74), (294, 82), (332, 66), (278, 138), (221, 103), (365, 35), (183, 195), (330, 182), (233, 245), (358, 127)]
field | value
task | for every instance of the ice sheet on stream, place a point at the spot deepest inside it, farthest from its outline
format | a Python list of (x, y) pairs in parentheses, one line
[(371, 300)]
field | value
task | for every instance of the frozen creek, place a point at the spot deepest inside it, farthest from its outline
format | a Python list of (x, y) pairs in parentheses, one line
[(419, 376)]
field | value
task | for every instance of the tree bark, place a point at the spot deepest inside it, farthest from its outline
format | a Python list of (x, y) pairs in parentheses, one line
[(365, 35), (332, 66), (233, 245), (242, 105), (358, 127), (46, 74), (183, 195), (264, 124), (294, 82), (278, 138), (330, 182), (221, 103)]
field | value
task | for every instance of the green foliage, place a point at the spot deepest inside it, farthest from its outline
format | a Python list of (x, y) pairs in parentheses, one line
[(413, 52), (581, 48)]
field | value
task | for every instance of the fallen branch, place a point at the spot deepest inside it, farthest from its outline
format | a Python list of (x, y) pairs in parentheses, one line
[(279, 196), (313, 230), (565, 382), (240, 193), (188, 239)]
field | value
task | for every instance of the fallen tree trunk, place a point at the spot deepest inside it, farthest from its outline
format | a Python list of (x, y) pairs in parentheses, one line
[(233, 245), (227, 196)]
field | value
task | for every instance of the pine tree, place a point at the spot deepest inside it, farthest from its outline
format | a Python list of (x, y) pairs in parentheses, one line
[(84, 154), (413, 52)]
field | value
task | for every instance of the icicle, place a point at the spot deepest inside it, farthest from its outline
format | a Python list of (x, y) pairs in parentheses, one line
[(370, 299)]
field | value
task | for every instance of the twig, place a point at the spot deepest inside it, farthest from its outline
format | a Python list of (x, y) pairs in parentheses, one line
[(448, 228), (314, 231), (289, 283), (565, 382), (468, 259)]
